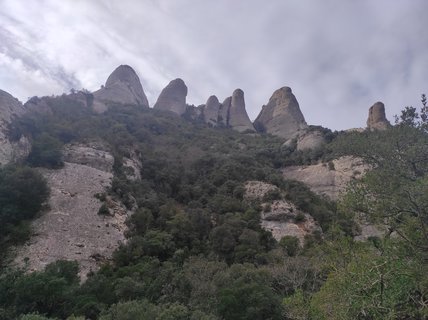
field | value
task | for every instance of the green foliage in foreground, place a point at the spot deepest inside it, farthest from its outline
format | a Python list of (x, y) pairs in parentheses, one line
[(22, 193)]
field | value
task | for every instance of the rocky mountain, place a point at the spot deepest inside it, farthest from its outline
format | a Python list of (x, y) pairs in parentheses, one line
[(122, 87), (377, 118), (173, 97), (281, 116), (11, 108)]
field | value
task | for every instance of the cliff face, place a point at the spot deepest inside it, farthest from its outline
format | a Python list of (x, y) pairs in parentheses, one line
[(72, 229), (280, 217), (10, 151), (281, 116)]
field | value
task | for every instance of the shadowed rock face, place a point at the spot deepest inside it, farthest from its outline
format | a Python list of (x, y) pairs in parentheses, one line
[(10, 108), (377, 118), (238, 117), (124, 87), (173, 97), (281, 116), (223, 114)]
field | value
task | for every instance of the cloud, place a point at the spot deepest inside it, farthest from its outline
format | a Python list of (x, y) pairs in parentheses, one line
[(339, 57)]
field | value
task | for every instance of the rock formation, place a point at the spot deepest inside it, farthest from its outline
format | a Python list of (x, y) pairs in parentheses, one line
[(71, 229), (10, 108), (173, 97), (310, 140), (122, 87), (238, 118), (280, 217), (211, 110), (377, 118), (328, 179), (281, 116), (223, 113), (231, 113)]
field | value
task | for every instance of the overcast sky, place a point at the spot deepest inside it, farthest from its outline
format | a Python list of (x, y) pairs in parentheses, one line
[(338, 56)]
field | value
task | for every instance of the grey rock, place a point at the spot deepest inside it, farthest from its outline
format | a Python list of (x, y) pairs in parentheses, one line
[(173, 97), (377, 118), (10, 108), (310, 140), (223, 114), (211, 110), (238, 117), (122, 87), (282, 116)]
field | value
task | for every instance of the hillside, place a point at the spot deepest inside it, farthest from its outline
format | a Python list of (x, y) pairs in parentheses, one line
[(111, 209)]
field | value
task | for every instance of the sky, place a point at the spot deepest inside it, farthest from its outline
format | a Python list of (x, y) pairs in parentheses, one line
[(338, 56)]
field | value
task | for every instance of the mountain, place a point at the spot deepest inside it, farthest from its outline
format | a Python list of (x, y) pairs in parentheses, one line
[(110, 209)]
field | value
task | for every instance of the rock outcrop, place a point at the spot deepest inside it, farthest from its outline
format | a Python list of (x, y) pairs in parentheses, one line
[(173, 97), (310, 140), (238, 118), (281, 116), (280, 217), (122, 87), (231, 113), (11, 108), (377, 118), (72, 229), (211, 110), (328, 179)]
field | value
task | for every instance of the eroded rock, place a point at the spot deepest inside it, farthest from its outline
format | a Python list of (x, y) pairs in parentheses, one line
[(377, 118), (122, 87), (173, 97), (281, 116)]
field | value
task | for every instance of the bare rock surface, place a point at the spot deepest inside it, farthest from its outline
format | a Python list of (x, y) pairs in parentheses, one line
[(377, 118), (11, 108), (211, 110), (281, 116), (280, 217), (327, 180), (310, 140), (122, 87), (223, 115), (173, 97), (72, 229), (238, 118)]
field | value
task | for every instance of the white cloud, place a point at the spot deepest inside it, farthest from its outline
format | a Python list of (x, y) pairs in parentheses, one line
[(339, 57)]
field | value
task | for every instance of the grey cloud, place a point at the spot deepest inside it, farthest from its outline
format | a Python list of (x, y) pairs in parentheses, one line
[(339, 57)]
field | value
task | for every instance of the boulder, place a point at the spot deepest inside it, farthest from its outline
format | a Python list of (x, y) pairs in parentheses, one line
[(122, 87), (377, 118), (281, 116), (173, 97), (238, 117)]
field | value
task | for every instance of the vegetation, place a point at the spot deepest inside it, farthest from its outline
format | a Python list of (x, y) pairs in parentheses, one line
[(195, 247)]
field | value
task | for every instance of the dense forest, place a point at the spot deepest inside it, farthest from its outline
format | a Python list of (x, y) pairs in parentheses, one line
[(195, 247)]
